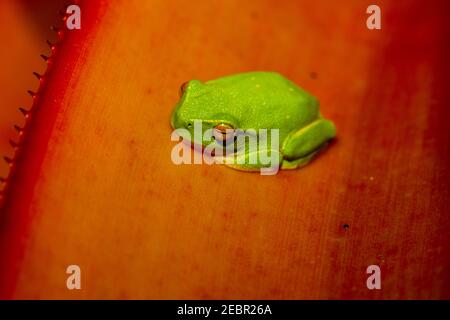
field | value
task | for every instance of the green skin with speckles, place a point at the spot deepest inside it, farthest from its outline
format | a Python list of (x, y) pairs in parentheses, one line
[(257, 100)]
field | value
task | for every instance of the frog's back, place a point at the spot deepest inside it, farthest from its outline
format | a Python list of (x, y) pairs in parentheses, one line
[(267, 100)]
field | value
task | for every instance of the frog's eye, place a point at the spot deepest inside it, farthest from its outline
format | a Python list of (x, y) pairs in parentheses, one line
[(223, 133), (183, 87)]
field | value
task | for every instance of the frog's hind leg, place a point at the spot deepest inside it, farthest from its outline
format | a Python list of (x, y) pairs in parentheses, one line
[(301, 146)]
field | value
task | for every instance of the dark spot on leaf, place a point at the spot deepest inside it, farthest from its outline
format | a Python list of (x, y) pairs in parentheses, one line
[(313, 75)]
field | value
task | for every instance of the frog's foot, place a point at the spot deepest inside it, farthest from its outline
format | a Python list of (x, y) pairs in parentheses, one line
[(262, 160), (301, 146), (300, 162)]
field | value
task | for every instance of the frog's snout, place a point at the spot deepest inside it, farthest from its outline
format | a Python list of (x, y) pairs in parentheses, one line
[(178, 121), (175, 119)]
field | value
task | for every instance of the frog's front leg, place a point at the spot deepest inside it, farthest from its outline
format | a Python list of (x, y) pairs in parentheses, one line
[(254, 160), (301, 146)]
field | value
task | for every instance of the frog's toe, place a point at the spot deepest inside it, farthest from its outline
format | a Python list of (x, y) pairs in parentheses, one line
[(298, 163), (242, 167), (255, 161)]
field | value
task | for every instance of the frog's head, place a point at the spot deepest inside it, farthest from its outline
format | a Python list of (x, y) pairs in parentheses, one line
[(205, 104)]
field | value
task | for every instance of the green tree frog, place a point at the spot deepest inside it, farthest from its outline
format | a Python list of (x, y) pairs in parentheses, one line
[(256, 100)]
